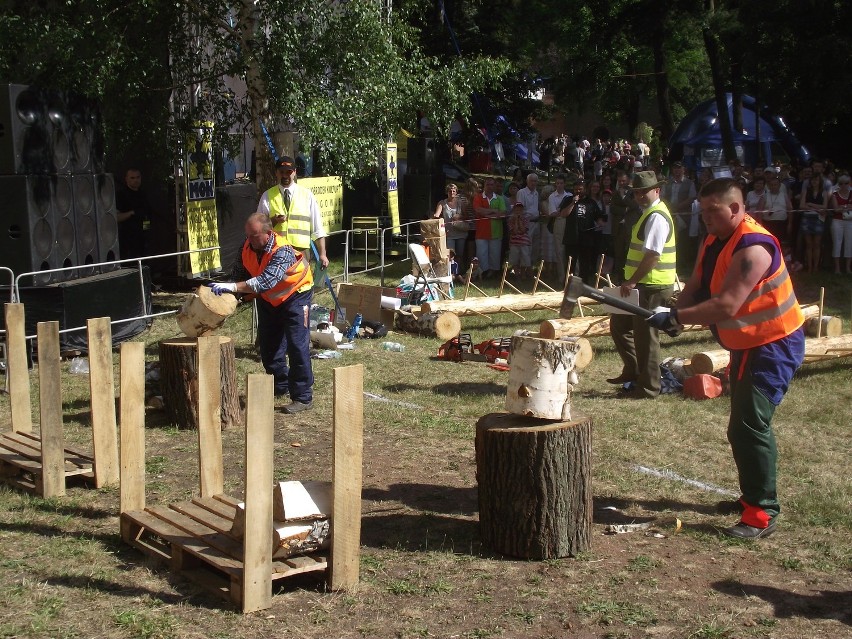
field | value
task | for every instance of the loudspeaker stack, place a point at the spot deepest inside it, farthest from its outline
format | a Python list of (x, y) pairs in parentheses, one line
[(57, 207), (423, 182)]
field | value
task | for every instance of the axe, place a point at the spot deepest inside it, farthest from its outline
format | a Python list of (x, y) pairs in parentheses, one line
[(575, 287)]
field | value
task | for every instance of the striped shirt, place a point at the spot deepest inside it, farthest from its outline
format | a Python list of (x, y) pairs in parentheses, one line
[(274, 272)]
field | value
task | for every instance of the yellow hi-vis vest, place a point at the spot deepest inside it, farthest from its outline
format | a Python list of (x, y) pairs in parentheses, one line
[(296, 228), (664, 273)]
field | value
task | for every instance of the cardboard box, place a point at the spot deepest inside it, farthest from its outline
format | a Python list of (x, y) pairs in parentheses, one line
[(367, 300), (433, 228)]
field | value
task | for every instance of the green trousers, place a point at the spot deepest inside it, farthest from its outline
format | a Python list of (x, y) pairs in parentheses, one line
[(753, 445)]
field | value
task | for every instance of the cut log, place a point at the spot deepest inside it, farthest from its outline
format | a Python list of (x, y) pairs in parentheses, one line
[(584, 356), (288, 539), (831, 326), (444, 325), (295, 500), (485, 305), (538, 377), (179, 381), (204, 311), (598, 325), (535, 485), (816, 349)]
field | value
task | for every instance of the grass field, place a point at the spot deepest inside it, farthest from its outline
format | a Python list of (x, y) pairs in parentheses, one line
[(64, 571)]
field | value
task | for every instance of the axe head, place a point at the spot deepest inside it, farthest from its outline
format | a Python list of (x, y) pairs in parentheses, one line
[(573, 290)]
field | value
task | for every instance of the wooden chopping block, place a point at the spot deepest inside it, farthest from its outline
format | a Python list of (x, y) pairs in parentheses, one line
[(204, 311)]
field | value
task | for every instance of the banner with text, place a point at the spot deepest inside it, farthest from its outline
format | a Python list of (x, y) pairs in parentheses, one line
[(391, 165), (201, 219), (328, 192)]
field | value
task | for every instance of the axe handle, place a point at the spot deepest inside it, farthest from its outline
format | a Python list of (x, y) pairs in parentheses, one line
[(617, 302)]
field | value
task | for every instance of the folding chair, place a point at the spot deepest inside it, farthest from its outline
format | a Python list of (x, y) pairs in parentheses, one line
[(426, 274)]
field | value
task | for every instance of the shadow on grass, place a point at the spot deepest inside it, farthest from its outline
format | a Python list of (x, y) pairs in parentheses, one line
[(113, 588), (828, 604), (668, 506), (428, 497), (421, 532)]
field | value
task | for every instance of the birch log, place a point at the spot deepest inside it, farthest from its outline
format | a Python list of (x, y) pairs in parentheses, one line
[(584, 356), (538, 377), (204, 311), (443, 324), (545, 300)]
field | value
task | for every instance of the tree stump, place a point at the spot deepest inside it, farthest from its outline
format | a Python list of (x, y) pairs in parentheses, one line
[(179, 381), (535, 485), (443, 324)]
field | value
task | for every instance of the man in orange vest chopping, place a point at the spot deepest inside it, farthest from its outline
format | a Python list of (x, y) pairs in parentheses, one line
[(281, 278), (741, 288)]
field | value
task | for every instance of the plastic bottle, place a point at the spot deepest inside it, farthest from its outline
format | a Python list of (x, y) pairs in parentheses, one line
[(352, 333), (396, 347), (329, 355)]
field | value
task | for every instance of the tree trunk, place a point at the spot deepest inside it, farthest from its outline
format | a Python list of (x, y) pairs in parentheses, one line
[(714, 57), (444, 325), (535, 485), (179, 381), (661, 79), (816, 349)]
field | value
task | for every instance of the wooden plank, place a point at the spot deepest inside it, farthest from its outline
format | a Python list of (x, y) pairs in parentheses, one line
[(216, 506), (102, 387), (227, 499), (197, 536), (257, 540), (17, 370), (299, 565), (209, 421), (15, 458), (50, 401), (203, 516), (132, 409), (70, 452), (152, 524), (31, 447), (347, 452)]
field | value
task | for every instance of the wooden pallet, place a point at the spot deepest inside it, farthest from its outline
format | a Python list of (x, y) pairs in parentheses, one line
[(194, 539), (21, 461)]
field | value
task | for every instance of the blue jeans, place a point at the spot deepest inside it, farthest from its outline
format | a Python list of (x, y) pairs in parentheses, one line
[(284, 335)]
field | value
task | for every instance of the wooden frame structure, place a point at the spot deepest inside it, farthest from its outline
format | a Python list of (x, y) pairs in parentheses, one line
[(41, 463), (195, 538)]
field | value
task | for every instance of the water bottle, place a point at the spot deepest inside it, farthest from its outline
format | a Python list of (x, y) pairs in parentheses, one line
[(352, 333), (396, 347)]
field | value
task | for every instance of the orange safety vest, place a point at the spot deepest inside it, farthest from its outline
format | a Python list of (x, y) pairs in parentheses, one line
[(770, 312), (298, 277)]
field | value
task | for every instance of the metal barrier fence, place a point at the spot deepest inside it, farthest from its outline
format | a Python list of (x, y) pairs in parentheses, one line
[(137, 261), (405, 230)]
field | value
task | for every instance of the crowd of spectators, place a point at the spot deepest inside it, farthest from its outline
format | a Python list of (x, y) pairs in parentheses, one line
[(577, 206)]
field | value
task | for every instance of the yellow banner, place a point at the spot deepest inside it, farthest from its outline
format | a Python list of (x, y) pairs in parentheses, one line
[(202, 223), (328, 192), (203, 230), (391, 165)]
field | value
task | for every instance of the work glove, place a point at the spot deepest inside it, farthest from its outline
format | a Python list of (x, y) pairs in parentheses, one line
[(223, 287), (665, 319)]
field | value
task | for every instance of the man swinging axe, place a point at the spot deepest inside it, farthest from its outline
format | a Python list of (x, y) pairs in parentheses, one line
[(741, 288)]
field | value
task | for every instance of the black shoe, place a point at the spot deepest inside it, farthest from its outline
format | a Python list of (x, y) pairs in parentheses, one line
[(297, 407), (621, 379), (744, 531)]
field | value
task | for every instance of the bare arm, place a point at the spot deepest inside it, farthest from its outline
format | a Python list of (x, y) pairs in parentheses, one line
[(320, 242), (748, 267), (439, 209)]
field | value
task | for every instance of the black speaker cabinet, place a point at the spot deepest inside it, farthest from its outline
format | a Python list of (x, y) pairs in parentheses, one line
[(106, 218), (25, 131), (422, 156), (420, 195), (119, 295), (28, 231), (65, 225), (85, 221), (84, 134)]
